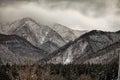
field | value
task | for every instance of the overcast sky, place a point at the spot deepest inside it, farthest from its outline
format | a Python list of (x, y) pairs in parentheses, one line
[(75, 14)]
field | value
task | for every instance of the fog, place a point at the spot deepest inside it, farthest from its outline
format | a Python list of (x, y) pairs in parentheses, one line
[(75, 14)]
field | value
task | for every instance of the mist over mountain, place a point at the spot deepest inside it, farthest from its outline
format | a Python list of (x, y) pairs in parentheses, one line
[(51, 22), (75, 14), (59, 39)]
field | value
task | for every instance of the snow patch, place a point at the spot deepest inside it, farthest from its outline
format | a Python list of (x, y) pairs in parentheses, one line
[(84, 46), (69, 57), (43, 39), (46, 33)]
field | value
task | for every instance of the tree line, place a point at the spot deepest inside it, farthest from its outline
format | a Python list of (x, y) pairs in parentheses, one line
[(59, 72)]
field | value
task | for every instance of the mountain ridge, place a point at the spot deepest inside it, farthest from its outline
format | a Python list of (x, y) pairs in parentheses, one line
[(85, 41), (35, 33), (20, 48), (67, 33)]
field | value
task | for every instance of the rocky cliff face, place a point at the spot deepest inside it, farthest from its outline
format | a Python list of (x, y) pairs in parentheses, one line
[(85, 47)]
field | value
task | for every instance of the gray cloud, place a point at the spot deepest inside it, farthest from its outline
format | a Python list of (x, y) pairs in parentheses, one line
[(76, 14)]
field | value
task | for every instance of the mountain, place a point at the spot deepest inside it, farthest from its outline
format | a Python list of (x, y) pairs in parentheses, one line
[(30, 40), (107, 55), (6, 56), (35, 33), (84, 48), (14, 49), (49, 46), (67, 33)]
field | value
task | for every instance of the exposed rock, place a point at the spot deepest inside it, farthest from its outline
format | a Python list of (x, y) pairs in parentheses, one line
[(85, 47)]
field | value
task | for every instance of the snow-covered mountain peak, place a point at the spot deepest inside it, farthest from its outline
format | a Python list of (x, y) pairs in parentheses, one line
[(35, 33)]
